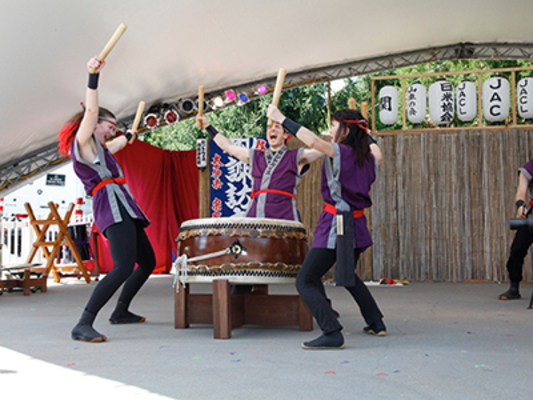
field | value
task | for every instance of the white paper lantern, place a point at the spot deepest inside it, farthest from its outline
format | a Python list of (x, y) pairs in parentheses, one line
[(524, 97), (466, 98), (416, 103), (388, 105), (496, 99), (441, 102)]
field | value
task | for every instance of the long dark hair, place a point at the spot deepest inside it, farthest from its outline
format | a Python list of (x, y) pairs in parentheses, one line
[(70, 128), (357, 138)]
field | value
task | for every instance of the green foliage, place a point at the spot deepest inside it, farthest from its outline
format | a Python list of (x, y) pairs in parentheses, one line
[(308, 105)]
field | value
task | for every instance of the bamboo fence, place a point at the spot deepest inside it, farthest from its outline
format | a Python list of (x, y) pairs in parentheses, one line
[(441, 205)]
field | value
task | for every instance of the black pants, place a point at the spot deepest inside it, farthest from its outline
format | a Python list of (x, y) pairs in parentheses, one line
[(128, 244), (521, 243), (309, 285)]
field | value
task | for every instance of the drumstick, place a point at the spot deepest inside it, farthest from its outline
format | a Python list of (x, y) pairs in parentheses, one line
[(201, 100), (277, 89), (111, 43), (364, 109), (351, 104), (364, 112), (137, 120)]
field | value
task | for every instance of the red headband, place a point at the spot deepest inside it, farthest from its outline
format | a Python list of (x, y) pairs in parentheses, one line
[(112, 122), (353, 121)]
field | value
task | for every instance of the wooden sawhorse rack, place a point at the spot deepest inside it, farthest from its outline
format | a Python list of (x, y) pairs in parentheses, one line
[(40, 227), (226, 311)]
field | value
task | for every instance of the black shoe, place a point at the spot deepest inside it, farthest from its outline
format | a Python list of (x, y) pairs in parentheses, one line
[(377, 329), (511, 294), (84, 330), (121, 315), (331, 341)]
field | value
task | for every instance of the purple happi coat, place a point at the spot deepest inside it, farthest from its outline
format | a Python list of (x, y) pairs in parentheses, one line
[(105, 202), (346, 186), (527, 170), (278, 171)]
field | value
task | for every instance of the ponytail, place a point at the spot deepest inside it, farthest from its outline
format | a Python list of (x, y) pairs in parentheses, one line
[(67, 134)]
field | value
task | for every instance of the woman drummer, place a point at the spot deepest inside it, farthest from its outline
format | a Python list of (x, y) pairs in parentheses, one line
[(341, 234), (116, 213)]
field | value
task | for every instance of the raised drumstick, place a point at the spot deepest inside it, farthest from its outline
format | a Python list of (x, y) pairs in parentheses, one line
[(351, 104), (112, 42), (137, 120), (277, 90), (201, 100)]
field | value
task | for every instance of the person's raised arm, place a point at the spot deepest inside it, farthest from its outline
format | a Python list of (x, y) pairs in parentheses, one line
[(241, 153), (309, 156), (301, 132), (118, 143), (521, 195), (376, 151), (90, 117)]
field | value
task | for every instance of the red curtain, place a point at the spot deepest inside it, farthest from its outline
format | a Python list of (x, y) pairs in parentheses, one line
[(165, 184)]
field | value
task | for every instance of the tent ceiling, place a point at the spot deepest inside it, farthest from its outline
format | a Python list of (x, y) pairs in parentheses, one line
[(171, 47)]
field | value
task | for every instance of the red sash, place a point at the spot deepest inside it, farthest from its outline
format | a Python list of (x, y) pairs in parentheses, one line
[(273, 191), (330, 208), (119, 181)]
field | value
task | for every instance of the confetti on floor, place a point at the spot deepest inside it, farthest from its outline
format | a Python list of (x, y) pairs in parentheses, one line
[(331, 373)]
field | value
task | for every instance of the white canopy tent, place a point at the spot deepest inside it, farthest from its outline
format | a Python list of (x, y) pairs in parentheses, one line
[(170, 47)]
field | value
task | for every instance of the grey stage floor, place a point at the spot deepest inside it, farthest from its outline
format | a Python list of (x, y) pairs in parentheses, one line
[(446, 341)]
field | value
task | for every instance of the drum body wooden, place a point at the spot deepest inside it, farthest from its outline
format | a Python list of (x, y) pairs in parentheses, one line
[(264, 250)]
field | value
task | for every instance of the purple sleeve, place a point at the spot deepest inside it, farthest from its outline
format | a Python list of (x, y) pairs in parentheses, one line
[(527, 170)]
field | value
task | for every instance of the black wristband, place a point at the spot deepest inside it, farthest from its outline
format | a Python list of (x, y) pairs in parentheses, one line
[(212, 131), (291, 126), (371, 140), (128, 136), (520, 203), (93, 81)]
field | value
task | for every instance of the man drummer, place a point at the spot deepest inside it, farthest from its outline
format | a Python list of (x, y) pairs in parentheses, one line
[(276, 172)]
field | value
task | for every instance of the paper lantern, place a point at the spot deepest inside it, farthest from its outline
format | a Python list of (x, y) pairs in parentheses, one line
[(388, 105), (441, 102), (524, 97), (466, 98), (496, 99), (416, 103)]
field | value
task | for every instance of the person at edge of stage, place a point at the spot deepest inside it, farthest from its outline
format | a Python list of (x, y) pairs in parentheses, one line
[(116, 213), (523, 238), (341, 234)]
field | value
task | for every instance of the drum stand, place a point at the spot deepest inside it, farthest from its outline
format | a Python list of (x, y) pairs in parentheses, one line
[(226, 311)]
